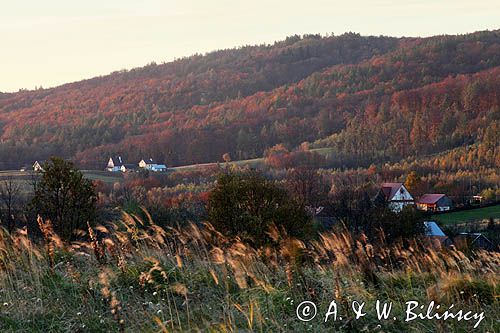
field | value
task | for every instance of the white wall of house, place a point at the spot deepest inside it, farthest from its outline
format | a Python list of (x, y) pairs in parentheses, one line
[(398, 206), (402, 194), (401, 199)]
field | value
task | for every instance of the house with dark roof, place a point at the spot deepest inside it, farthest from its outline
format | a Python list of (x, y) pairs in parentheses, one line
[(151, 165), (434, 203), (474, 240), (114, 164), (395, 195), (126, 167)]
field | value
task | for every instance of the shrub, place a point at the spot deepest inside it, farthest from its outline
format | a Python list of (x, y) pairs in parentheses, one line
[(246, 204), (65, 197)]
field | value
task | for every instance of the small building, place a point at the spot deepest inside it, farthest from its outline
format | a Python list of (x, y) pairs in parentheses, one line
[(37, 166), (434, 203), (128, 167), (474, 240), (114, 164), (436, 235), (476, 200), (151, 165), (396, 195)]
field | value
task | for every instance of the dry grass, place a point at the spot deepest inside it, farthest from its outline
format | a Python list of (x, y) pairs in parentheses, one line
[(134, 276)]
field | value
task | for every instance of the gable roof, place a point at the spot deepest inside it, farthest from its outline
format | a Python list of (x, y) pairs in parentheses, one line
[(148, 160), (430, 198), (390, 189), (129, 166), (117, 160), (432, 229), (474, 236)]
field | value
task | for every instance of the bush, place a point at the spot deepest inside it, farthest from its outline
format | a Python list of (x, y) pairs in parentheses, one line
[(65, 197), (247, 205)]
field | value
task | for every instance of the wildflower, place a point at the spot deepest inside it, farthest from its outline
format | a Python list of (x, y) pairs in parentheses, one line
[(159, 311), (5, 304), (155, 293), (78, 313)]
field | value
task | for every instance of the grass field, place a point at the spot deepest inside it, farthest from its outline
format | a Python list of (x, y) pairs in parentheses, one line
[(104, 176), (252, 163), (25, 177), (141, 278), (469, 215)]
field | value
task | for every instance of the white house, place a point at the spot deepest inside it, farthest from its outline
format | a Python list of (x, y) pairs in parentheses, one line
[(128, 167), (396, 195), (150, 164), (37, 166), (114, 164)]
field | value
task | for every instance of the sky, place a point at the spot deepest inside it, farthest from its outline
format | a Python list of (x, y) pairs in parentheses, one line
[(51, 42)]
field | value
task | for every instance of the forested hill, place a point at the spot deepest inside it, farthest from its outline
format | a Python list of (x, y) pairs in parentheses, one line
[(367, 98)]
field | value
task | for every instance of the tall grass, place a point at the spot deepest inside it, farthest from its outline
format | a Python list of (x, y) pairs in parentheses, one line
[(134, 276)]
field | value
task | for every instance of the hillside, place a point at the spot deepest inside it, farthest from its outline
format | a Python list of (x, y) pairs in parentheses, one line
[(369, 99)]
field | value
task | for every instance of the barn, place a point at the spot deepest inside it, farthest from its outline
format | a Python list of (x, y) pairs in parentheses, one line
[(434, 203)]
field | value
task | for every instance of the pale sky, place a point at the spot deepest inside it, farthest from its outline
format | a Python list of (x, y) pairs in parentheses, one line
[(51, 42)]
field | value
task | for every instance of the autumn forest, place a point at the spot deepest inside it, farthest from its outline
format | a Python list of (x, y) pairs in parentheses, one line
[(367, 99)]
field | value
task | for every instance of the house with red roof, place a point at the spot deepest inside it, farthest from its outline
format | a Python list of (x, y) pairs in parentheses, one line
[(434, 203), (396, 195)]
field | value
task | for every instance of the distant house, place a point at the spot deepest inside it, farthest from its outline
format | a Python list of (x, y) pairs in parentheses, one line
[(474, 240), (114, 164), (434, 203), (476, 200), (396, 195), (128, 167), (37, 166), (150, 164), (434, 232)]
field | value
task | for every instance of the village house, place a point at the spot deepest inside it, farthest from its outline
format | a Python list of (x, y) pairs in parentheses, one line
[(128, 167), (474, 240), (151, 165), (434, 203), (396, 195), (476, 200), (114, 164), (37, 166), (436, 235)]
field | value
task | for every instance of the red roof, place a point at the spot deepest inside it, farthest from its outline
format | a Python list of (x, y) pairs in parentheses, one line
[(430, 198), (390, 189)]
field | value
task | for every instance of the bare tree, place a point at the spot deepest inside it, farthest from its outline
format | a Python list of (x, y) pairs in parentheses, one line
[(307, 186), (9, 199)]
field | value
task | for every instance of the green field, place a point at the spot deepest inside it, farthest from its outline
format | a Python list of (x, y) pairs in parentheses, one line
[(252, 163), (26, 177), (469, 215), (105, 176)]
